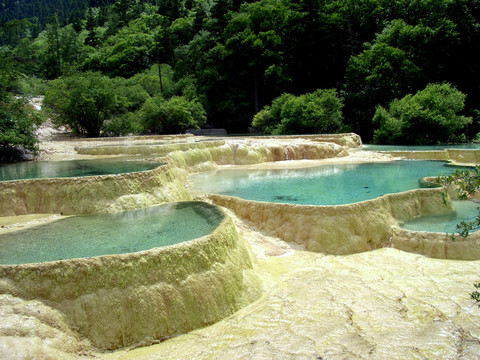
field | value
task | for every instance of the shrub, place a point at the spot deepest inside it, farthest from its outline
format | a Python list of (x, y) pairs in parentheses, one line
[(134, 94), (314, 113), (17, 129), (17, 120), (124, 124), (83, 101), (431, 116), (172, 116)]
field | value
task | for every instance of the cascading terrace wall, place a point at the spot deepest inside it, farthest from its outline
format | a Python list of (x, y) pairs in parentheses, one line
[(461, 156), (110, 193), (357, 227), (123, 300), (126, 300), (93, 194)]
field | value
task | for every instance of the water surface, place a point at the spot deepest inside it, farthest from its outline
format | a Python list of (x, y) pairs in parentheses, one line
[(323, 185), (105, 234), (447, 223), (72, 168)]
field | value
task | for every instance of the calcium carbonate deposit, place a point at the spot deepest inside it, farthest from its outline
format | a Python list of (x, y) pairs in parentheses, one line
[(273, 281)]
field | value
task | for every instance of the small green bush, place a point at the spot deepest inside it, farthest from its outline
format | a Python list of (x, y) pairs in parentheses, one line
[(431, 116), (174, 116), (124, 124), (314, 113), (17, 128), (31, 86), (84, 101)]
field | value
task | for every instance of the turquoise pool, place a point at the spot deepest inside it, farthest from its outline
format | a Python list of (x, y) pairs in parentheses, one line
[(464, 211), (106, 234), (72, 168), (323, 185)]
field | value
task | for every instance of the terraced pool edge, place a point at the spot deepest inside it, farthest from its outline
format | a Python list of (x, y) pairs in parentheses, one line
[(123, 300), (357, 227)]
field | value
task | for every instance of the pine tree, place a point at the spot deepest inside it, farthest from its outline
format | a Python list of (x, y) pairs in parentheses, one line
[(53, 61), (90, 26)]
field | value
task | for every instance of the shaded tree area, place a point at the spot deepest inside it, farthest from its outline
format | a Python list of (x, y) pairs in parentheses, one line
[(83, 101), (17, 121), (437, 108), (234, 58), (313, 113), (67, 10)]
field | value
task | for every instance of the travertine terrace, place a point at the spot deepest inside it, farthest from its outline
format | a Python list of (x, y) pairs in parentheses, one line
[(272, 281)]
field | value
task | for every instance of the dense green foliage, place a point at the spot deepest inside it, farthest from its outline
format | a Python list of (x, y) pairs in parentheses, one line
[(16, 129), (314, 113), (172, 116), (83, 101), (17, 120), (93, 104), (431, 116), (235, 57)]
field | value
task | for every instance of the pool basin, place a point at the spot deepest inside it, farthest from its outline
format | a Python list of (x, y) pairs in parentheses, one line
[(135, 298), (73, 168), (107, 234), (331, 184), (464, 210)]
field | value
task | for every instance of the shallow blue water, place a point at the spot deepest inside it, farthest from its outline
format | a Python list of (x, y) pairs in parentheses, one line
[(464, 211), (322, 185), (72, 168), (104, 234)]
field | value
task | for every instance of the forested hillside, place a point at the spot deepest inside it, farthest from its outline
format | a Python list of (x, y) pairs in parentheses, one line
[(224, 61), (43, 10)]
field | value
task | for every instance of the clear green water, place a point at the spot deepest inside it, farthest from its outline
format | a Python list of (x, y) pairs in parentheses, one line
[(464, 211), (105, 234), (72, 168), (322, 185)]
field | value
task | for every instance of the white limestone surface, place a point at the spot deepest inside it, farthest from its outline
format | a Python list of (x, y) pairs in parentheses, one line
[(383, 304), (125, 300), (379, 305)]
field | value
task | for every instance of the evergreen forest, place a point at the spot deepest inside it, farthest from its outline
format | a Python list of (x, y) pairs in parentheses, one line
[(392, 71)]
